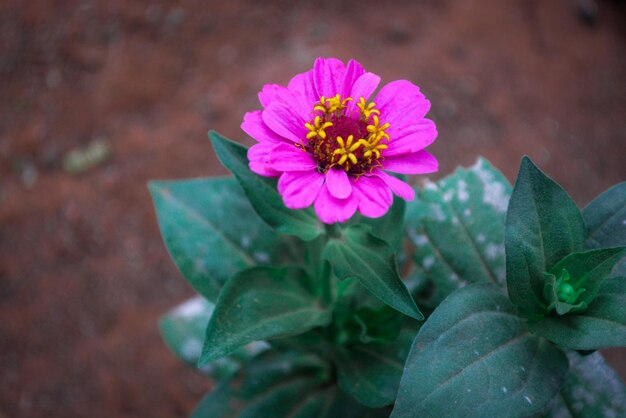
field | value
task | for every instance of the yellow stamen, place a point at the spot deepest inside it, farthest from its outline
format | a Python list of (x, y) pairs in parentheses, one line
[(355, 154), (367, 109), (317, 128)]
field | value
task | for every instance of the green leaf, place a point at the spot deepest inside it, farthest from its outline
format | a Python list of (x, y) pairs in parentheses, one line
[(270, 386), (605, 218), (371, 372), (282, 386), (359, 254), (589, 269), (263, 193), (211, 232), (473, 358), (377, 325), (183, 329), (543, 226), (457, 227), (592, 389), (602, 325), (389, 228), (262, 303)]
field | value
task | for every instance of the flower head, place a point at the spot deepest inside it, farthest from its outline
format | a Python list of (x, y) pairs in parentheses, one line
[(331, 146)]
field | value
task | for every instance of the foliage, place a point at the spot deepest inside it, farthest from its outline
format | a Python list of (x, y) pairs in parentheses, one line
[(468, 301)]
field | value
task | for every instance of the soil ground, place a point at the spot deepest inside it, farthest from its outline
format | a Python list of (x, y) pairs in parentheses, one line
[(84, 274)]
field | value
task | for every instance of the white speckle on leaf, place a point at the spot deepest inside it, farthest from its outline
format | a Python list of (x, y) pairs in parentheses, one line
[(246, 241), (522, 368), (495, 194), (447, 196), (467, 213), (420, 240), (504, 389), (193, 307), (199, 266), (528, 399), (581, 393), (476, 352), (463, 195), (492, 251), (191, 349), (438, 214), (429, 185), (261, 256), (480, 238), (469, 390), (256, 347), (608, 412), (624, 222), (428, 261)]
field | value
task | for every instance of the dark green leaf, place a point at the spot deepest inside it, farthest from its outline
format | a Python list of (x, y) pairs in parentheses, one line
[(587, 270), (371, 372), (359, 254), (389, 228), (605, 218), (282, 386), (473, 358), (457, 227), (602, 325), (263, 194), (543, 226), (262, 303), (592, 389), (183, 329), (377, 325), (212, 232)]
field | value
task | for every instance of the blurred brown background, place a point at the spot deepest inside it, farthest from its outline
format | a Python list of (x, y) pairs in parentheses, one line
[(84, 274)]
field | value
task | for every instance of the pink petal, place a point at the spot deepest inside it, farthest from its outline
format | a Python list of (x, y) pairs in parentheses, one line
[(263, 170), (338, 183), (373, 195), (274, 93), (420, 162), (258, 157), (353, 72), (254, 126), (363, 87), (268, 157), (411, 138), (286, 157), (328, 76), (401, 103), (300, 189), (303, 85), (330, 209), (284, 121), (397, 186)]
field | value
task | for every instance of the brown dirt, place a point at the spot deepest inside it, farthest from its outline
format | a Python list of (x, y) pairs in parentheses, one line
[(83, 272)]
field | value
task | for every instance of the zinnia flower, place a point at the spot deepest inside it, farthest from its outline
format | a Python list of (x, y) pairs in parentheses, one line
[(332, 147)]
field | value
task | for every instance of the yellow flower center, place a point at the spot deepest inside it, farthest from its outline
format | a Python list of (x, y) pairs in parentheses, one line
[(338, 139)]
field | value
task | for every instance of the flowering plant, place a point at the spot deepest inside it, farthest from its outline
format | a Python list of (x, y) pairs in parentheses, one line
[(464, 297)]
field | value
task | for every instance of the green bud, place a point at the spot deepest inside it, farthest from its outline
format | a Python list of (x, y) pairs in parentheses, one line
[(565, 291)]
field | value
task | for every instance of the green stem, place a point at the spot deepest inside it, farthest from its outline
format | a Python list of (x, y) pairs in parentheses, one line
[(333, 230), (320, 269), (326, 284)]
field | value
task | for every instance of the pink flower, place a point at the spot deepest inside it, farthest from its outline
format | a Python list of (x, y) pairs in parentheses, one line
[(331, 147)]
